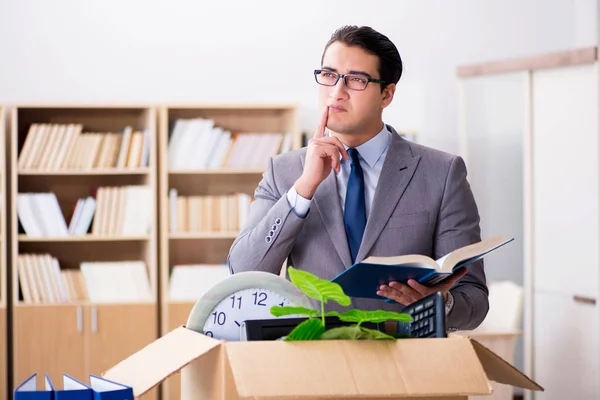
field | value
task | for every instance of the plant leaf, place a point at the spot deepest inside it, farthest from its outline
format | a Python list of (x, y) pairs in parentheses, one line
[(317, 288), (279, 311), (351, 332), (360, 316), (354, 332), (375, 334), (329, 314), (311, 329)]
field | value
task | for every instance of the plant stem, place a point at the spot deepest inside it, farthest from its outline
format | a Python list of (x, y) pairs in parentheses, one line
[(323, 313), (358, 329)]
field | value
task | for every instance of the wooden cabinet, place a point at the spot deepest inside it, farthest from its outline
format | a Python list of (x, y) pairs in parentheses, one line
[(80, 340), (122, 328), (69, 316), (48, 339), (117, 331), (80, 335), (191, 194)]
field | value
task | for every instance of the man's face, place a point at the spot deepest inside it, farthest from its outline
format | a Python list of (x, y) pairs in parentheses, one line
[(352, 111)]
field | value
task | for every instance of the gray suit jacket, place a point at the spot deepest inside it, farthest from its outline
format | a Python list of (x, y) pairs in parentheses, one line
[(423, 204)]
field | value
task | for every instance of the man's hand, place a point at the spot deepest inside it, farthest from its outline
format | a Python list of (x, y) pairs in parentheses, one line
[(407, 294), (322, 155)]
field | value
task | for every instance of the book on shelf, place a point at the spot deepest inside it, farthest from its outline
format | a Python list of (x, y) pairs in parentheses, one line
[(197, 144), (208, 213), (189, 281), (123, 210), (50, 146), (364, 278), (72, 389), (117, 281), (110, 210), (42, 281)]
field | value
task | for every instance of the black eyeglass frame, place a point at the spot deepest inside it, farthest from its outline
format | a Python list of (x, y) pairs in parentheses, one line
[(343, 76)]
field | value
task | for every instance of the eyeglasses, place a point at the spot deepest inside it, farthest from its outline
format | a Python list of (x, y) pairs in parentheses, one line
[(351, 81)]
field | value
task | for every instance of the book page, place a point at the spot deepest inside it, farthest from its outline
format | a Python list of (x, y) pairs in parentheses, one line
[(414, 260), (440, 261), (479, 249)]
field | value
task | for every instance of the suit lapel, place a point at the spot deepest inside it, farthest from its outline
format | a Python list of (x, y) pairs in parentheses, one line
[(327, 201), (397, 171)]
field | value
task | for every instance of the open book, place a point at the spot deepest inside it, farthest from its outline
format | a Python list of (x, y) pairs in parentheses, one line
[(364, 278)]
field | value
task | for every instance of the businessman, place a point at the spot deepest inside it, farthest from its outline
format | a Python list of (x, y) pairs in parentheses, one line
[(358, 189)]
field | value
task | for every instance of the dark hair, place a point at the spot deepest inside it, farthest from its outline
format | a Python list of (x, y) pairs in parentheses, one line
[(367, 38)]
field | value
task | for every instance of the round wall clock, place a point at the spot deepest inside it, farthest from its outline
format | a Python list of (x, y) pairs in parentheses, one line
[(221, 310)]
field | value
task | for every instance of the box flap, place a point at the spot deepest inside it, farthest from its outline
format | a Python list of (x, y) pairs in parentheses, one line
[(160, 359), (370, 369), (498, 370), (490, 334)]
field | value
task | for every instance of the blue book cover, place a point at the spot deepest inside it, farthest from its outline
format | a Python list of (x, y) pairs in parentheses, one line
[(73, 390), (364, 278), (28, 390), (107, 390)]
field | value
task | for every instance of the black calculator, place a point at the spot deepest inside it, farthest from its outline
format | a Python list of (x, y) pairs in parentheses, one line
[(429, 318)]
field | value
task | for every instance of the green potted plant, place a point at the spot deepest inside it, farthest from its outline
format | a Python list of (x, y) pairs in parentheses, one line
[(314, 327)]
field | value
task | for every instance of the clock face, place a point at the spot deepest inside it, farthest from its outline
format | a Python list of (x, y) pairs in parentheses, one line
[(226, 317), (222, 309)]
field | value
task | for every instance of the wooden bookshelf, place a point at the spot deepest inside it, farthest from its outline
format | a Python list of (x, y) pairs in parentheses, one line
[(3, 263), (193, 242), (81, 328)]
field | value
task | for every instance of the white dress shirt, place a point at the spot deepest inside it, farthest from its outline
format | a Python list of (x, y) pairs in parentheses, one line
[(371, 155)]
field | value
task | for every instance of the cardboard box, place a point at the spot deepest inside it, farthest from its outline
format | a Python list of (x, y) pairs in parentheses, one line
[(449, 368), (503, 344)]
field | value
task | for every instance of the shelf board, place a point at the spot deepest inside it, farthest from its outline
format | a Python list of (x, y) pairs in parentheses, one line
[(86, 238), (86, 172), (221, 171), (250, 106), (202, 235), (180, 302), (22, 304), (81, 303)]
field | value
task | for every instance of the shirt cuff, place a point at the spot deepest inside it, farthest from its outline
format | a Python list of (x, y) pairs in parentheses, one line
[(299, 204), (449, 303)]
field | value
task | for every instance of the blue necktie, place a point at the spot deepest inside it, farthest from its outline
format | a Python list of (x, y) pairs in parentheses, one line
[(355, 214)]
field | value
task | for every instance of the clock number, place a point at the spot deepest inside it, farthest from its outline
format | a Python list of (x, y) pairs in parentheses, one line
[(281, 304), (208, 333), (239, 300), (220, 318), (259, 298)]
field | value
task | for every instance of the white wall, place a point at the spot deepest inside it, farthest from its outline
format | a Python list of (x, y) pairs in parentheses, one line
[(181, 51)]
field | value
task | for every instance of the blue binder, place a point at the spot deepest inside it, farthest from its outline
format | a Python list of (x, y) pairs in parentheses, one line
[(103, 389), (98, 389), (28, 390), (73, 390)]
